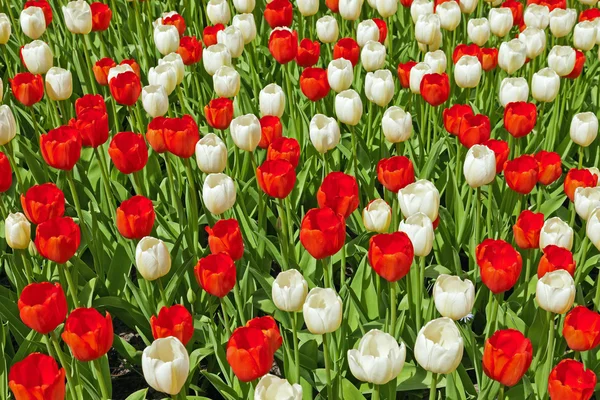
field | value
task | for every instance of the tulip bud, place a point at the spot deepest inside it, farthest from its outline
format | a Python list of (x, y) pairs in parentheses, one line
[(211, 154), (377, 216), (419, 229), (437, 61), (367, 30), (478, 31), (584, 128), (214, 57), (372, 56), (501, 20), (324, 133), (289, 291), (226, 82), (562, 21), (350, 9), (322, 311), (467, 6), (218, 12), (348, 107), (164, 75), (218, 193), (592, 227), (416, 76), (378, 359), (512, 55), (271, 387), (379, 87), (327, 29), (480, 166), (152, 258), (8, 125), (584, 35), (420, 7), (420, 196), (166, 39), (245, 132), (449, 13), (166, 365), (37, 57), (453, 297), (246, 24), (555, 291), (5, 29), (426, 28), (340, 74), (545, 85), (308, 7), (534, 40), (59, 84), (537, 16), (396, 125), (467, 72), (586, 200), (119, 69), (271, 100), (233, 39), (17, 231), (512, 90), (562, 59), (439, 346), (244, 6), (386, 8), (176, 61), (557, 232), (78, 17), (33, 22), (155, 100)]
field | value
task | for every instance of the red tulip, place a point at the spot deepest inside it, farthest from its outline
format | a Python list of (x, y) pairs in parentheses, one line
[(125, 88), (499, 263), (581, 329), (527, 229), (42, 306), (226, 236), (550, 167), (283, 44), (58, 239), (322, 232), (27, 88), (347, 48), (88, 334), (395, 173), (333, 5), (453, 117), (314, 83), (89, 101), (177, 21), (339, 192), (135, 217), (383, 30), (551, 4), (249, 353), (216, 274), (579, 63), (44, 5), (209, 35), (474, 129), (516, 7), (521, 173), (43, 202), (404, 73), (571, 380), (501, 150), (435, 88), (489, 58), (92, 126), (589, 14), (5, 173), (269, 328), (270, 130), (134, 66), (465, 50), (35, 377), (520, 117), (276, 178), (391, 255), (279, 13), (578, 178), (190, 50), (101, 69), (173, 321), (219, 113), (507, 356), (555, 258), (308, 53), (286, 149), (61, 147), (181, 135), (101, 16), (128, 152)]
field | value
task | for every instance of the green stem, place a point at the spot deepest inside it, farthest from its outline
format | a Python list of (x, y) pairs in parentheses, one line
[(327, 357), (161, 290), (72, 288), (193, 224), (89, 67), (376, 389), (101, 383), (28, 269), (296, 349), (501, 393), (393, 307), (354, 151), (105, 181), (326, 278), (15, 167), (420, 291), (433, 387), (55, 342), (225, 317)]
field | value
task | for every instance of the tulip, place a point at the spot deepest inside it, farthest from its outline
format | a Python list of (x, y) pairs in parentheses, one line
[(348, 107), (562, 59), (347, 48), (555, 291), (135, 217), (465, 50), (545, 85), (534, 40), (555, 258), (233, 39), (219, 113), (166, 39), (209, 34), (283, 44), (37, 375), (449, 13), (379, 87), (339, 192), (322, 311), (584, 35), (467, 72), (244, 6), (386, 8), (571, 380), (37, 57), (437, 61), (474, 129), (128, 152), (584, 128), (5, 173), (308, 53), (8, 125), (314, 84), (453, 117), (88, 102), (322, 232), (501, 20), (289, 291), (285, 149), (216, 274), (350, 9), (377, 216), (521, 174), (536, 16), (556, 232), (249, 353), (378, 359), (88, 334), (270, 387), (117, 70), (507, 355), (391, 255), (578, 178), (33, 22), (245, 23), (396, 125), (372, 56), (586, 199), (155, 100), (417, 73), (59, 84), (327, 29), (218, 12), (527, 229), (152, 258), (271, 129), (308, 7), (512, 55), (216, 56), (467, 6), (420, 8), (101, 16), (453, 297), (174, 60), (419, 229), (279, 13), (366, 31), (562, 21), (211, 154), (78, 17), (395, 173), (480, 166), (520, 118), (489, 58), (27, 88), (61, 147), (500, 264), (340, 74), (550, 167), (17, 231), (42, 306), (439, 346), (166, 365), (5, 29), (218, 193), (578, 68), (276, 178), (245, 132), (125, 88), (426, 28), (173, 321), (225, 236), (404, 73), (501, 151), (513, 90), (324, 133), (420, 196), (478, 30), (180, 135), (268, 326), (271, 100), (163, 75), (581, 329), (135, 67)]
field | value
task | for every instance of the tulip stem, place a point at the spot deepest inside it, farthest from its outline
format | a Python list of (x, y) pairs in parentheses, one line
[(54, 339), (194, 206), (296, 350), (549, 361), (225, 317), (354, 151), (393, 307), (501, 393), (375, 395), (326, 279), (89, 67), (284, 241), (105, 181), (161, 290), (15, 168), (71, 285), (420, 291), (101, 382), (580, 152), (327, 357), (28, 269), (433, 387)]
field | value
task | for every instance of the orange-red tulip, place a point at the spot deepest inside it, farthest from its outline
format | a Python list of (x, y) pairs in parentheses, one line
[(395, 173), (391, 255), (88, 334), (314, 83), (501, 151), (579, 63), (527, 229), (383, 30), (268, 326), (249, 353), (270, 130), (89, 101), (226, 236), (581, 329), (516, 7), (5, 173), (465, 50), (61, 147), (190, 50), (554, 258), (347, 48), (287, 149), (128, 152), (589, 14), (209, 34), (219, 113), (177, 21), (125, 88), (435, 88), (283, 45), (499, 263), (322, 232), (35, 377), (101, 16), (180, 135), (173, 321), (474, 129), (339, 192), (279, 13), (404, 73), (521, 173), (101, 69), (578, 178), (308, 53), (570, 380), (134, 66), (550, 167), (43, 306), (92, 126), (489, 58), (276, 178), (43, 202), (453, 117), (135, 217), (58, 239), (216, 274), (27, 88), (507, 356), (520, 118)]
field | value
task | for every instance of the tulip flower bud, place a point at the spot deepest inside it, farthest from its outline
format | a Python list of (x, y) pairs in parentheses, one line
[(467, 72), (367, 30), (214, 57), (33, 22), (218, 193), (348, 107), (233, 39), (245, 132), (17, 231), (211, 154), (324, 133), (419, 229), (176, 61), (586, 200), (396, 125), (562, 21), (534, 40), (372, 57), (437, 61), (308, 7), (378, 359), (545, 85), (350, 9), (512, 90), (426, 28), (480, 166), (449, 13), (555, 291), (478, 30), (37, 57), (166, 365), (166, 39), (584, 35), (78, 17), (386, 8), (501, 20), (584, 128), (116, 71), (155, 100), (340, 74), (271, 100), (377, 216), (467, 6), (562, 59), (59, 84), (289, 291), (439, 346), (271, 387), (592, 227), (327, 29), (420, 7), (537, 16), (557, 232), (226, 82), (152, 258), (512, 55), (322, 311), (164, 75), (246, 24), (218, 12), (244, 6), (453, 297), (379, 87), (8, 125), (5, 29), (416, 76), (420, 196)]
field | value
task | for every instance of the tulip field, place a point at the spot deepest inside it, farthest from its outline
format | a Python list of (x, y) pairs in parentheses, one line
[(299, 199)]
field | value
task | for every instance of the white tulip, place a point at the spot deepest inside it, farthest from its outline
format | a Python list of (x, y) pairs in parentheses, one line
[(271, 100), (245, 132), (557, 232), (416, 76), (396, 125), (419, 229), (378, 359), (586, 200), (118, 70), (152, 258), (8, 125), (513, 89), (437, 61), (33, 22), (562, 21), (555, 291), (350, 9), (453, 297), (226, 82), (166, 39), (271, 387), (214, 57), (176, 61), (545, 85), (218, 12), (218, 193), (377, 216), (534, 40), (340, 74), (17, 231), (420, 196), (372, 56), (246, 24), (480, 166), (348, 107), (322, 311), (59, 84), (449, 13), (420, 7), (324, 133), (595, 171), (164, 75), (233, 39), (327, 29), (211, 154), (78, 17), (155, 100), (468, 6), (536, 16), (289, 291), (426, 28), (166, 365), (584, 128), (584, 35), (37, 57), (379, 87), (5, 28), (501, 20), (592, 228), (467, 72), (562, 59), (367, 30), (308, 7), (478, 31), (512, 55), (244, 6), (386, 8), (439, 346)]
